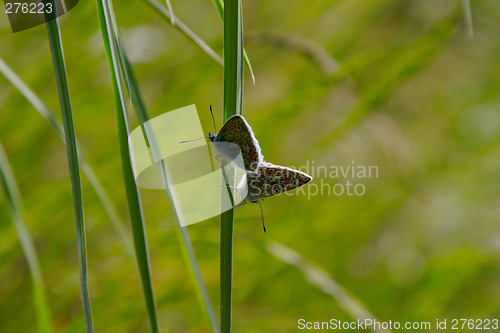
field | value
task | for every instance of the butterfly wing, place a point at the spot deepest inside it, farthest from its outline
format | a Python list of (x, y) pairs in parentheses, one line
[(236, 130), (270, 179)]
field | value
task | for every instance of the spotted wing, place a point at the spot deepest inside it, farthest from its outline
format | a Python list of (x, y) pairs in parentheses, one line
[(236, 130), (270, 179)]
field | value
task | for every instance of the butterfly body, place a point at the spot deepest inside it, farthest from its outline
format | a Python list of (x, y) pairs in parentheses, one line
[(261, 179)]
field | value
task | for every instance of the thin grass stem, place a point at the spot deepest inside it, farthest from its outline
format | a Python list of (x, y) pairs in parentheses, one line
[(74, 168), (182, 233), (11, 190), (233, 94), (133, 196), (219, 5), (50, 117), (184, 29)]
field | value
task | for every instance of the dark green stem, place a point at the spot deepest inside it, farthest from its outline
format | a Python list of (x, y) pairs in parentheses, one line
[(74, 169), (233, 92)]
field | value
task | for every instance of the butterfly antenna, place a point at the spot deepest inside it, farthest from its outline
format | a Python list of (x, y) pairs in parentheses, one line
[(213, 119), (262, 215), (204, 137)]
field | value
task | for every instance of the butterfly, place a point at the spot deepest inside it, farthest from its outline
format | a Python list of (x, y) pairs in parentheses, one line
[(261, 179)]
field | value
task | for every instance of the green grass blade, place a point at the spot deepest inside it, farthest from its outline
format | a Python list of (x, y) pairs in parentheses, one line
[(119, 47), (226, 257), (318, 277), (9, 186), (182, 233), (219, 5), (49, 115), (184, 29), (226, 269), (74, 169), (133, 196), (249, 66), (233, 59), (233, 99), (220, 9)]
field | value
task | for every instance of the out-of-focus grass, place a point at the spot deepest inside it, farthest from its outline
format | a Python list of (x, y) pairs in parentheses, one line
[(420, 244), (13, 197), (468, 17), (319, 278), (402, 65), (179, 25)]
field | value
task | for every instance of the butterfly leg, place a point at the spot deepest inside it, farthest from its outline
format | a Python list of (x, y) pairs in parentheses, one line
[(262, 215), (228, 186)]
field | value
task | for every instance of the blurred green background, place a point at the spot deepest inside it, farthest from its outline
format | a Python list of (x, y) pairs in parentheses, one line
[(400, 85)]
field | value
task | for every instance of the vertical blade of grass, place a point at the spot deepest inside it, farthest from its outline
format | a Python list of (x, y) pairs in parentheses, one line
[(119, 48), (9, 186), (233, 62), (133, 196), (74, 169), (220, 9), (226, 268), (233, 93), (48, 115), (182, 234)]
